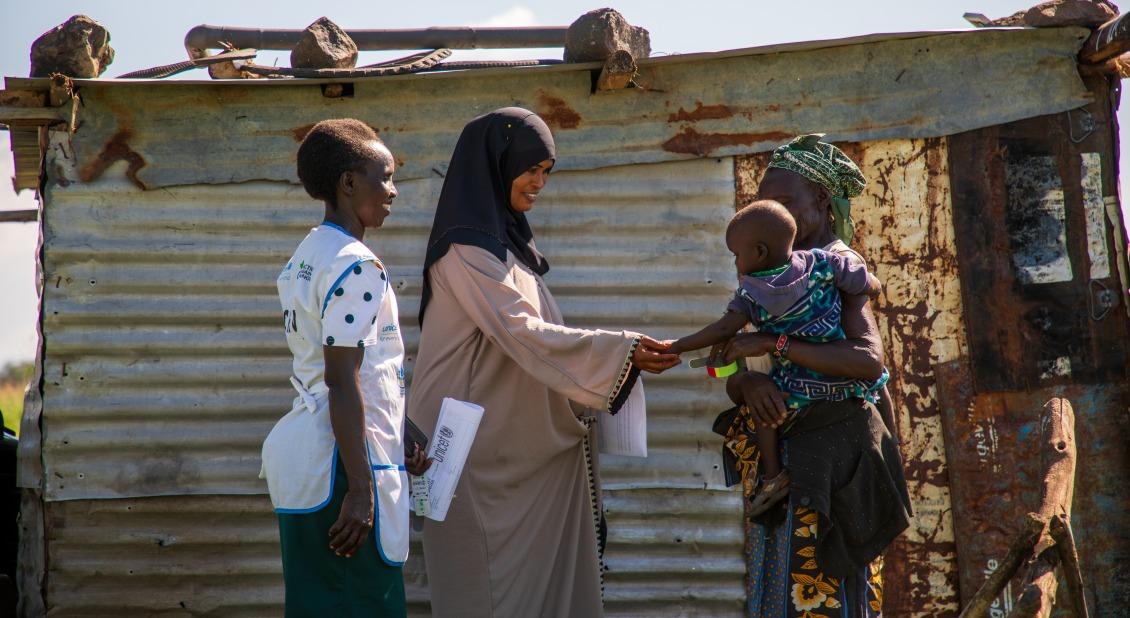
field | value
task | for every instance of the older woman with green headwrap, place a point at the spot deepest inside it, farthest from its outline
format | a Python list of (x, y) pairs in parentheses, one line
[(819, 552), (815, 180)]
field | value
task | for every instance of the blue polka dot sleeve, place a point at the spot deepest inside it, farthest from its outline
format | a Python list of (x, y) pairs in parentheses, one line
[(350, 314)]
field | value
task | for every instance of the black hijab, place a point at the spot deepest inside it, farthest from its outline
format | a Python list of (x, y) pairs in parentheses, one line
[(474, 205)]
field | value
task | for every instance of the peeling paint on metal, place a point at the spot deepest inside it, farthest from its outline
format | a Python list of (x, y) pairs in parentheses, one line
[(904, 230), (1095, 210), (1037, 220)]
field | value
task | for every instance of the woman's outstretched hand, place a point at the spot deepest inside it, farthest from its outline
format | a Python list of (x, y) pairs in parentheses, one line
[(652, 356), (750, 344)]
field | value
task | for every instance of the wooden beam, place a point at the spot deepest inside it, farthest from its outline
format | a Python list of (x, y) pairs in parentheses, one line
[(16, 116), (1057, 465), (1037, 597), (618, 71), (19, 216), (1021, 548), (1060, 530), (1118, 66), (1107, 41)]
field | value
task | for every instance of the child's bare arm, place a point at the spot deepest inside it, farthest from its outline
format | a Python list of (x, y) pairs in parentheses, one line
[(716, 333)]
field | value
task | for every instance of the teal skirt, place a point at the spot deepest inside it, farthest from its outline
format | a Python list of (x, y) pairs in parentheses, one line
[(320, 583)]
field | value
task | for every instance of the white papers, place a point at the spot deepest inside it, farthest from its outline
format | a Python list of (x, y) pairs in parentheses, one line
[(625, 433), (448, 448)]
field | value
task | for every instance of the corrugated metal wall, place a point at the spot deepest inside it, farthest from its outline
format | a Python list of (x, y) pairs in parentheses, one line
[(165, 367)]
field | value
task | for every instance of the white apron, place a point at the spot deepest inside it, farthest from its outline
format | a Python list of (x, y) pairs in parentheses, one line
[(334, 291)]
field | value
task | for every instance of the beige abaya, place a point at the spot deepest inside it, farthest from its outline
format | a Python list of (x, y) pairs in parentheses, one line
[(520, 539)]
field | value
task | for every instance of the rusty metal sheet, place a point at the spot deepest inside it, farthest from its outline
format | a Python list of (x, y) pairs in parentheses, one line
[(1041, 299), (1036, 337), (698, 106), (993, 439), (904, 229)]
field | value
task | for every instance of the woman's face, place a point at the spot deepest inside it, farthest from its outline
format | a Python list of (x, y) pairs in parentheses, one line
[(373, 187), (526, 187), (806, 201)]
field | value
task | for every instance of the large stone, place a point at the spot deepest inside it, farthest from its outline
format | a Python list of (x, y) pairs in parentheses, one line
[(80, 47), (1086, 13), (324, 45), (598, 34)]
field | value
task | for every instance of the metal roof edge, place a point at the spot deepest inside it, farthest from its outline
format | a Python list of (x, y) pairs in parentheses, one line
[(776, 48)]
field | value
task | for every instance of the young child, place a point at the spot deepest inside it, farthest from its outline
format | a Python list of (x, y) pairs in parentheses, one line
[(793, 294), (335, 465)]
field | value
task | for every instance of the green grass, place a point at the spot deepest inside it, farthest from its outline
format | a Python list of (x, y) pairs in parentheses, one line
[(12, 404)]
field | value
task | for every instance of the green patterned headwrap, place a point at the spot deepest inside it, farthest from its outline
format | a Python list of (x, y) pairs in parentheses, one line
[(829, 167)]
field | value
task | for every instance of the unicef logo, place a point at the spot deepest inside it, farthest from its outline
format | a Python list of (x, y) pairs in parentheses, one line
[(446, 432)]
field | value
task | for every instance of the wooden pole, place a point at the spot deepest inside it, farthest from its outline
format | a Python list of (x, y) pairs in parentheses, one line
[(1030, 532), (1107, 41), (1060, 530), (1057, 462)]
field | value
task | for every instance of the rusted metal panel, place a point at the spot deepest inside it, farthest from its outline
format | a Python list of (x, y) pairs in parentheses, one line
[(1037, 337), (165, 369), (1030, 240), (904, 229), (992, 439), (173, 133)]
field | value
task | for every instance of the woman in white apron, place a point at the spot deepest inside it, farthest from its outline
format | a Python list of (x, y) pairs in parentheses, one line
[(335, 465)]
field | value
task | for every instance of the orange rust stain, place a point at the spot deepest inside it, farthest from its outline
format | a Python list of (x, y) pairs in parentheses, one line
[(116, 149), (299, 133), (689, 141), (557, 113), (701, 112)]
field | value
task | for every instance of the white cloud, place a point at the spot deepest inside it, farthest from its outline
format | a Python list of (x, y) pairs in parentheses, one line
[(514, 16)]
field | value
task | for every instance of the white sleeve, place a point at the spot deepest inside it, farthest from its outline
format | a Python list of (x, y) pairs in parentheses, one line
[(351, 305)]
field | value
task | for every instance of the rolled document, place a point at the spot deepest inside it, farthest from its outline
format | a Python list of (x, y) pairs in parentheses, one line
[(455, 430)]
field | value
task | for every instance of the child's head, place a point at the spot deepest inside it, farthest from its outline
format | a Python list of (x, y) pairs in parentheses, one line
[(761, 236), (343, 163)]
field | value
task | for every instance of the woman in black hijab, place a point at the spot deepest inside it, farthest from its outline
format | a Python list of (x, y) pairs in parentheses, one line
[(520, 538)]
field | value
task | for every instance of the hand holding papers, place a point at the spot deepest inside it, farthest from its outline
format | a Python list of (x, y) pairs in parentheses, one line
[(455, 431)]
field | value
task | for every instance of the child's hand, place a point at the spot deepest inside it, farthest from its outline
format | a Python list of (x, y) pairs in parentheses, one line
[(418, 463), (654, 356)]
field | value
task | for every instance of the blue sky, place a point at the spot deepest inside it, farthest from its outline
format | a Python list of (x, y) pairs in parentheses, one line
[(148, 33)]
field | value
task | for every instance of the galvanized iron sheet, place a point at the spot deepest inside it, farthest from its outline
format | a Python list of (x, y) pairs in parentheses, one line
[(669, 554), (904, 229), (703, 105), (165, 368)]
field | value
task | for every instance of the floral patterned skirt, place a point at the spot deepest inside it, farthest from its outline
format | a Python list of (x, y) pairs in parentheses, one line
[(789, 583)]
